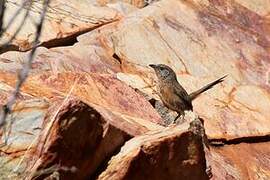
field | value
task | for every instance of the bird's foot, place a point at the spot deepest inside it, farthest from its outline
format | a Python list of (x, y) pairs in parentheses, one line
[(177, 117)]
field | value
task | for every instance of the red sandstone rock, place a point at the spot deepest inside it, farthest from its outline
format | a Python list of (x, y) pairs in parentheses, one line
[(240, 161), (171, 153), (77, 139), (64, 20), (110, 99), (200, 40)]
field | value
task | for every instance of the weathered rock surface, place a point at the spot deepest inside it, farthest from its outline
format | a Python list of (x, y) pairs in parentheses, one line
[(136, 3), (64, 21), (200, 40), (241, 52), (240, 161), (78, 58), (123, 119), (74, 136), (261, 7), (171, 153), (97, 89), (21, 136)]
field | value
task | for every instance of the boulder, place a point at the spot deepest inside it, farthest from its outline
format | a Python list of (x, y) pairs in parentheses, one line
[(170, 153)]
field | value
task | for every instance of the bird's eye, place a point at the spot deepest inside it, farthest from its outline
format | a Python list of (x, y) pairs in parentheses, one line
[(165, 72)]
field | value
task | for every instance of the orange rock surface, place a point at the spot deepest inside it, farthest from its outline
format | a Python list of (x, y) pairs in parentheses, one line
[(90, 88)]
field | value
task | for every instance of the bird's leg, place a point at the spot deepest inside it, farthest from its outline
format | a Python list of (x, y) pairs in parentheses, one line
[(178, 115)]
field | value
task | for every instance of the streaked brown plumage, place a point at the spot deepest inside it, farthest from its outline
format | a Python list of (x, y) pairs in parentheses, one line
[(172, 94)]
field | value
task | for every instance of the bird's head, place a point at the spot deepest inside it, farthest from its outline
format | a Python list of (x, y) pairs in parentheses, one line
[(163, 72)]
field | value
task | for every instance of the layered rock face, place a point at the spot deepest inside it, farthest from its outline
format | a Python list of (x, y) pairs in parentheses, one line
[(90, 110)]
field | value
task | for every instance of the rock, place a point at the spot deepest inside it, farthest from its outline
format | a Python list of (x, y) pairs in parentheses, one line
[(240, 161), (74, 135), (201, 41), (64, 21), (261, 7), (135, 3), (73, 139), (94, 89), (123, 7), (106, 70), (6, 90), (173, 153), (20, 136), (77, 58), (127, 116)]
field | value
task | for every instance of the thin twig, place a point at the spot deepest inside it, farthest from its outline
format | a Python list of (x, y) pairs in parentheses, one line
[(2, 12), (14, 17), (25, 70), (7, 43)]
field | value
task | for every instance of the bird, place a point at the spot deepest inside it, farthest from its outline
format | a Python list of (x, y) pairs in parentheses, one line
[(172, 94)]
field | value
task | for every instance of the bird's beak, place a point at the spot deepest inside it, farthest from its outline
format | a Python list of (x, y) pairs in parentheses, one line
[(153, 66)]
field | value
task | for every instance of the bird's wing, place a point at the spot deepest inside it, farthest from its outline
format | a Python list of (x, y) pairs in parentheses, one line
[(183, 95)]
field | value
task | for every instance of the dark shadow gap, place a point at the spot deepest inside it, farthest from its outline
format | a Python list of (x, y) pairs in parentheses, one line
[(103, 166), (65, 41), (115, 56), (251, 139), (7, 48)]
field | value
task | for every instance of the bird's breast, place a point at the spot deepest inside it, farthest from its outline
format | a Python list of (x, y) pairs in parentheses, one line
[(168, 97)]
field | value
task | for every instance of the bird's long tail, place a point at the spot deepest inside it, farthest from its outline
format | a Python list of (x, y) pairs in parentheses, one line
[(205, 88)]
